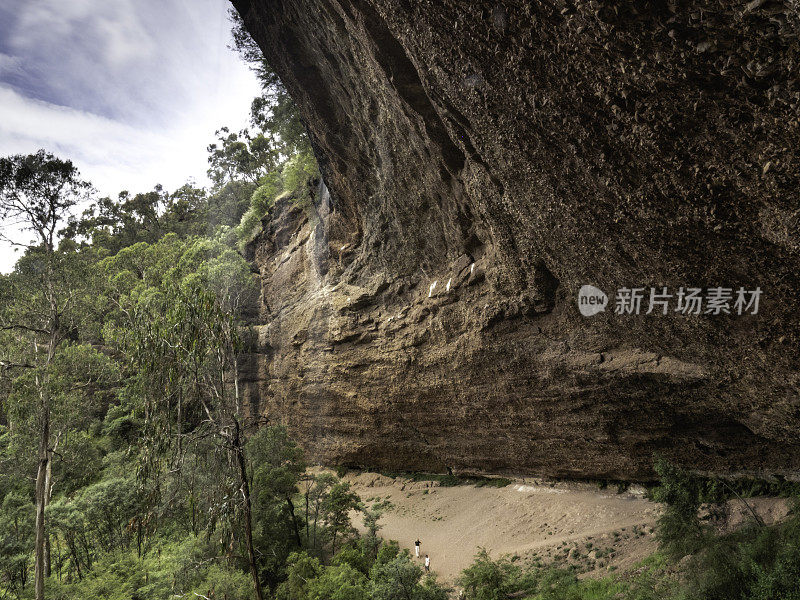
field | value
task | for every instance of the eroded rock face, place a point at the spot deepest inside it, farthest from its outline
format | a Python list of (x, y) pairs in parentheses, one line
[(487, 159)]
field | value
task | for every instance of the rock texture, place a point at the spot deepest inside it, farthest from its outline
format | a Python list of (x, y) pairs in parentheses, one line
[(485, 160)]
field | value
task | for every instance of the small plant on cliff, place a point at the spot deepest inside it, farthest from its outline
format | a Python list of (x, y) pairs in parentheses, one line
[(292, 181), (298, 171)]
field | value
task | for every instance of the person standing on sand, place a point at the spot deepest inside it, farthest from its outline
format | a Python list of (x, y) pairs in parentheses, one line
[(427, 563), (416, 547)]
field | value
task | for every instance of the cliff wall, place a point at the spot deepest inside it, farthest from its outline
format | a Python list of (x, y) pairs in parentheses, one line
[(484, 161)]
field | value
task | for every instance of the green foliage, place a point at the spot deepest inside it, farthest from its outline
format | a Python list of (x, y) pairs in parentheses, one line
[(16, 541), (301, 569), (37, 192), (121, 426), (222, 582), (273, 111), (298, 171), (371, 517), (241, 155), (338, 582), (291, 165), (291, 180), (356, 556), (337, 506), (277, 465), (752, 563), (119, 351), (680, 531), (263, 198), (175, 569), (559, 584), (261, 202), (399, 578), (393, 576), (487, 579), (132, 218), (95, 521)]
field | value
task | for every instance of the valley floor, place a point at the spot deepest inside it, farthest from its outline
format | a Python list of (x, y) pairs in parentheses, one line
[(564, 523)]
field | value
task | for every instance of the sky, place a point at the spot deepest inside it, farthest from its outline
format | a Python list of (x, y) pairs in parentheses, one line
[(130, 90)]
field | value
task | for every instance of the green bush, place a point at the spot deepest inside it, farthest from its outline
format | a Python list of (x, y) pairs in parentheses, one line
[(487, 579), (299, 170), (755, 562), (338, 582), (680, 531), (290, 181), (401, 579)]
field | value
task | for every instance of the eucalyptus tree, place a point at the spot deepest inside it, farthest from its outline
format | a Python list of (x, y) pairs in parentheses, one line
[(37, 193), (241, 156), (273, 112), (177, 321)]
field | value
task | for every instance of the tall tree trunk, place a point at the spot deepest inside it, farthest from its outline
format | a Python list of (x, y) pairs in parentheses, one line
[(48, 476), (248, 517), (48, 494), (308, 518), (44, 463), (297, 539), (316, 516), (41, 497)]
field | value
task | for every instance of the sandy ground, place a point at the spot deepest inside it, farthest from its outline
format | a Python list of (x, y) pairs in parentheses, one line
[(599, 530)]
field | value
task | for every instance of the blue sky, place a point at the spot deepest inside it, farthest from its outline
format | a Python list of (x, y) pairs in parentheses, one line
[(130, 90)]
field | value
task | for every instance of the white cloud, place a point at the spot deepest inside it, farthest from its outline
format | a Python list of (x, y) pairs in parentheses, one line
[(121, 32), (131, 90), (9, 65)]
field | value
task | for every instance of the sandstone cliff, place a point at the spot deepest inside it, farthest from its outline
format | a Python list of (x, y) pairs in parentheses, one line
[(509, 153)]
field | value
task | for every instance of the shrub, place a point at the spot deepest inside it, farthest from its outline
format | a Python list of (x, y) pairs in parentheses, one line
[(680, 531), (299, 170), (487, 579), (752, 563)]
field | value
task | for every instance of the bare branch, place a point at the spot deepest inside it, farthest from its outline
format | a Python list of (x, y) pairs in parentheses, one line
[(5, 365), (25, 328)]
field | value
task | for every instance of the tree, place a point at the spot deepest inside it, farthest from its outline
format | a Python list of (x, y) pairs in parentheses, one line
[(486, 579), (337, 506), (400, 579), (339, 582), (371, 517), (240, 156), (278, 466), (680, 531), (179, 302), (302, 569), (16, 541), (131, 218), (274, 111), (315, 494), (37, 192), (187, 211)]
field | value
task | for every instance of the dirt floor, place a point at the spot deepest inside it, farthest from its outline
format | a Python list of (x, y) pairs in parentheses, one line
[(532, 521), (563, 523)]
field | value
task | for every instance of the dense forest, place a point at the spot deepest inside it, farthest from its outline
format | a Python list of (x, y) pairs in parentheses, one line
[(131, 467)]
